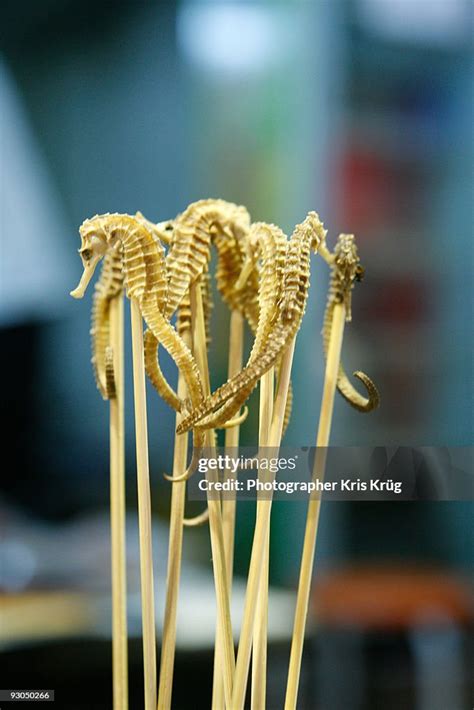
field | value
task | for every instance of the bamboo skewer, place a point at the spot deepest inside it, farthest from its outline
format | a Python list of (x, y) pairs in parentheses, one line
[(135, 258), (259, 540), (175, 545), (259, 653), (215, 514), (144, 509), (117, 514), (309, 544), (236, 346)]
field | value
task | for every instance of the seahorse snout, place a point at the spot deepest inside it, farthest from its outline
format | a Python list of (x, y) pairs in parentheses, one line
[(87, 274)]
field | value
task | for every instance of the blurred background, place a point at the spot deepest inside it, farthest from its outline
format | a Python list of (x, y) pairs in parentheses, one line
[(361, 110)]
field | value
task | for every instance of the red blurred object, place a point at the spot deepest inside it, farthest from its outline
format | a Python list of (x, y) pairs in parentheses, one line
[(377, 190), (391, 598), (398, 299), (367, 189)]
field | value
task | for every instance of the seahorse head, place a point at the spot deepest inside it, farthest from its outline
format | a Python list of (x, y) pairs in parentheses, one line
[(347, 270), (315, 230), (96, 237)]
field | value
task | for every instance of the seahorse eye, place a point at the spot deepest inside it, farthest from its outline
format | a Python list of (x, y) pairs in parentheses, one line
[(359, 272), (86, 254)]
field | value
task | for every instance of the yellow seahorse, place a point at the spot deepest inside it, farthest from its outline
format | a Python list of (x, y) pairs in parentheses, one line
[(145, 279)]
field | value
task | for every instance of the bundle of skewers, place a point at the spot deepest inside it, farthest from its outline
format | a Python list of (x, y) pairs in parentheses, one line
[(263, 277)]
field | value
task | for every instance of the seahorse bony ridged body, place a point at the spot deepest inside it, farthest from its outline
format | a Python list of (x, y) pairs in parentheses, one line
[(108, 286), (145, 278), (265, 249), (208, 221), (189, 251), (289, 313), (151, 345), (345, 271)]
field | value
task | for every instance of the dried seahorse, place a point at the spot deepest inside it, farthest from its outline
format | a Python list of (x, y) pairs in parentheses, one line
[(232, 255), (225, 225), (268, 244), (144, 272), (189, 250), (232, 274), (163, 232), (151, 346), (189, 236), (109, 285), (231, 245), (289, 313), (346, 269), (266, 248)]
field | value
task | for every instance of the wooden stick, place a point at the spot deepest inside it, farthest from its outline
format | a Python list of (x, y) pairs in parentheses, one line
[(117, 514), (144, 509), (259, 653), (232, 435), (236, 347), (215, 513), (309, 544), (175, 547), (259, 542)]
